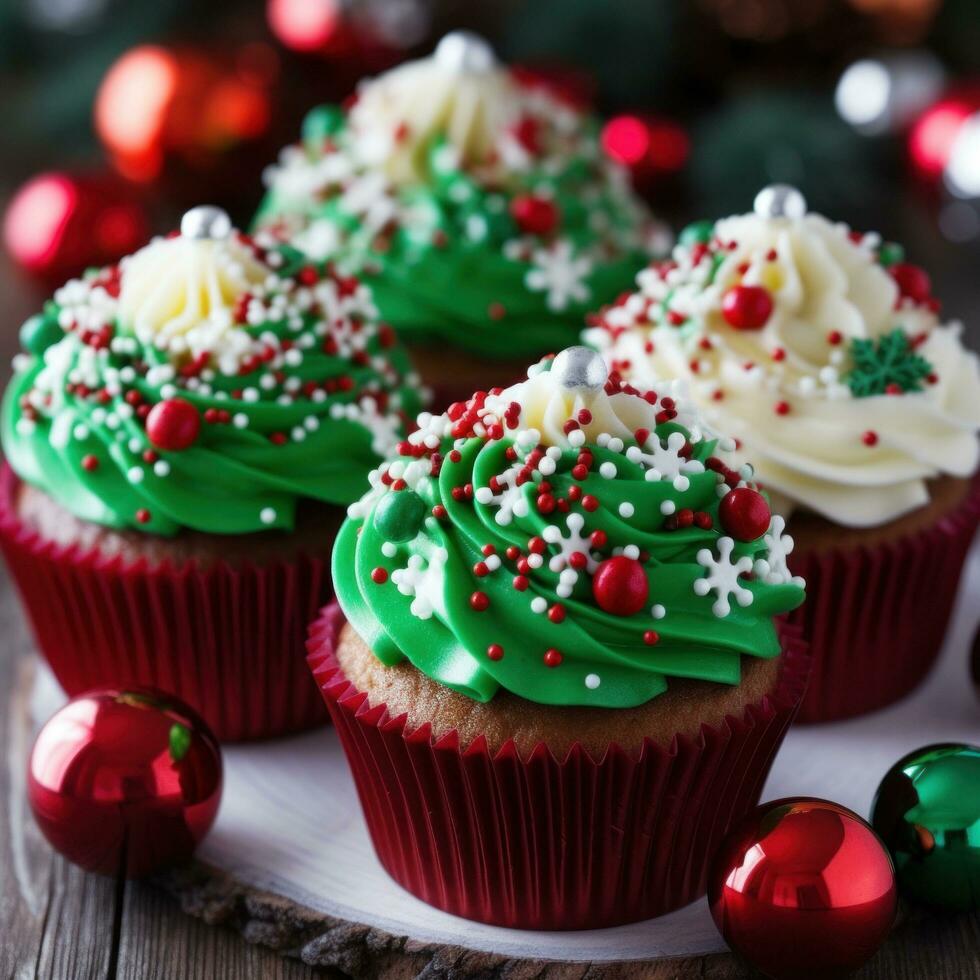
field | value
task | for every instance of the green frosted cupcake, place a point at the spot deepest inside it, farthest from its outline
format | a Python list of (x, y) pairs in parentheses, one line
[(479, 205)]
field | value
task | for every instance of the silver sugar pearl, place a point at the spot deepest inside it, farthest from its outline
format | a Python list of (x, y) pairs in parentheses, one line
[(580, 368), (205, 221), (463, 52), (780, 201)]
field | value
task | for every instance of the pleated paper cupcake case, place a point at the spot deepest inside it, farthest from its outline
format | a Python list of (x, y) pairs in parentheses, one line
[(227, 639), (876, 617), (543, 843)]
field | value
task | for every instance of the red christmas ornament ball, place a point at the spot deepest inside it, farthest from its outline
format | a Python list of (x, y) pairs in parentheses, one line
[(744, 514), (746, 307), (58, 224), (913, 281), (534, 215), (161, 109), (125, 781), (803, 888), (173, 424), (620, 586)]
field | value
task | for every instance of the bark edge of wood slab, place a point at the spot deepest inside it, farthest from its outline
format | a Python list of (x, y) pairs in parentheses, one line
[(367, 953)]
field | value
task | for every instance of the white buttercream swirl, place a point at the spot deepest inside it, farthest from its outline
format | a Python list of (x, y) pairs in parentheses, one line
[(179, 293), (858, 461)]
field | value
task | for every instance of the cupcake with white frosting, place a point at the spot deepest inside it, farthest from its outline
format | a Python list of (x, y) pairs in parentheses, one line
[(822, 351)]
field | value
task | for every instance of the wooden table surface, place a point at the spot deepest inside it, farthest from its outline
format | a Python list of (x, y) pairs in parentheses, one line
[(59, 922)]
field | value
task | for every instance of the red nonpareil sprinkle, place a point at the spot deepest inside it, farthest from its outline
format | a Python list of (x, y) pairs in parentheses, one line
[(495, 651), (149, 456), (641, 436), (488, 550), (870, 438), (379, 575), (702, 520), (439, 512), (574, 493), (590, 503), (480, 569), (584, 416), (651, 638), (520, 583), (552, 658), (278, 438), (556, 613), (599, 539), (834, 337), (143, 515), (90, 463), (513, 552), (536, 546), (479, 601), (685, 517), (893, 389), (778, 354), (781, 408), (496, 311), (578, 560), (580, 471), (546, 503)]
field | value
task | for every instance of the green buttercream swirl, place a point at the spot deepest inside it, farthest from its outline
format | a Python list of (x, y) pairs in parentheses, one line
[(88, 447), (453, 265), (606, 660)]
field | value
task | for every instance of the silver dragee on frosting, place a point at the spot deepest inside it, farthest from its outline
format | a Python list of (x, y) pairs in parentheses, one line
[(816, 349)]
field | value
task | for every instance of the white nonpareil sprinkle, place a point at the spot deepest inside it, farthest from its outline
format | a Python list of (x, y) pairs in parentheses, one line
[(668, 507), (267, 515), (626, 509), (658, 611), (539, 604), (592, 681)]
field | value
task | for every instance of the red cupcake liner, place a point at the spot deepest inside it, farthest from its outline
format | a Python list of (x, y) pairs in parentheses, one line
[(228, 640), (875, 617), (547, 843)]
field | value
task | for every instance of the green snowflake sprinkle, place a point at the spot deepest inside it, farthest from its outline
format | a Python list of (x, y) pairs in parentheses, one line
[(886, 366)]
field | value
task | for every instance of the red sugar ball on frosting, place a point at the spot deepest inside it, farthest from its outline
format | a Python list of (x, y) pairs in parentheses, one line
[(534, 215), (746, 307), (913, 282), (620, 586), (744, 514), (173, 424)]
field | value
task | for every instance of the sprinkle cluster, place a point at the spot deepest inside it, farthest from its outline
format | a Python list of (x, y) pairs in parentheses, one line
[(482, 505)]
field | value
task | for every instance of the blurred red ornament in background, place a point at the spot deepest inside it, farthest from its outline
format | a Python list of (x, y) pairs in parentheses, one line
[(58, 224), (156, 103), (649, 146), (803, 888), (934, 132), (125, 782), (310, 25)]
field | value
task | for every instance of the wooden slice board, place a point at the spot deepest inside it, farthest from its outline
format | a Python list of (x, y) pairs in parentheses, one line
[(289, 862)]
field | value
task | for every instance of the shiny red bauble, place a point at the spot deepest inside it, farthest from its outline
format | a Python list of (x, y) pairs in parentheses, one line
[(620, 586), (913, 282), (534, 215), (125, 782), (173, 424), (803, 888), (59, 224), (746, 307), (744, 514)]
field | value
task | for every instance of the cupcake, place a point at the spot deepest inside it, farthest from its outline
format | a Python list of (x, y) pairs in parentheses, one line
[(821, 350), (477, 203), (183, 432), (560, 679)]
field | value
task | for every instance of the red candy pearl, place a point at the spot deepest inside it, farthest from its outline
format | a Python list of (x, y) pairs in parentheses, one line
[(913, 282), (746, 307), (534, 215), (744, 514), (620, 586), (173, 424)]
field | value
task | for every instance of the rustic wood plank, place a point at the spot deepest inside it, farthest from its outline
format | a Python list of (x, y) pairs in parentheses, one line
[(159, 942)]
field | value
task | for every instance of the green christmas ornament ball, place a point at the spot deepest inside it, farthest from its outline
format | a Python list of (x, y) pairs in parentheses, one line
[(927, 811)]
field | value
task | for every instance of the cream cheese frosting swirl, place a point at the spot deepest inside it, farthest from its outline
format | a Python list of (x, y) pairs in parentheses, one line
[(818, 348)]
